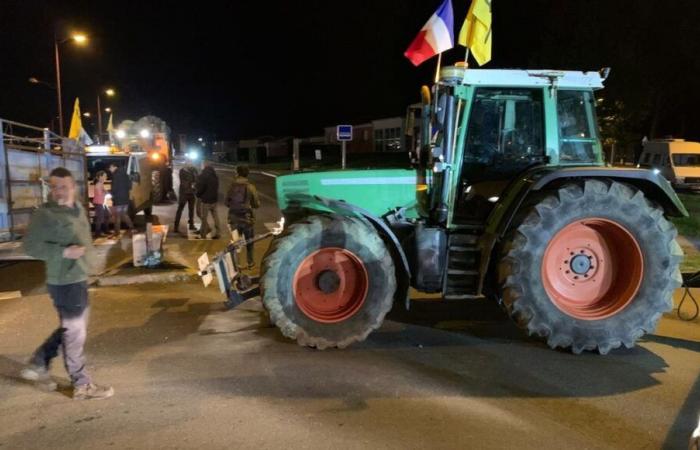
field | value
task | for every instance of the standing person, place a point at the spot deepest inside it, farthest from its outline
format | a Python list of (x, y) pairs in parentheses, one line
[(208, 194), (121, 188), (98, 201), (241, 199), (59, 235), (188, 178)]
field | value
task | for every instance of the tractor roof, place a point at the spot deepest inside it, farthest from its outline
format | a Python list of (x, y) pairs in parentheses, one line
[(523, 78)]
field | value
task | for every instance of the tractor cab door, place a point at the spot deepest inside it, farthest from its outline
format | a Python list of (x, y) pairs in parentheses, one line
[(505, 136)]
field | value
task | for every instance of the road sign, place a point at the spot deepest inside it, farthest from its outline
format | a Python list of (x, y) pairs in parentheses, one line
[(344, 132)]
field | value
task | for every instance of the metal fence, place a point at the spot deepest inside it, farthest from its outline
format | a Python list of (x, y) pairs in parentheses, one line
[(27, 156)]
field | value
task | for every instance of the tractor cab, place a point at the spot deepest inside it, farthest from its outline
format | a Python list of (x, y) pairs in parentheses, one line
[(486, 128)]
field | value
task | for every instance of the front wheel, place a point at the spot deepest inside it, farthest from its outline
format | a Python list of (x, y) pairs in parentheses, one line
[(592, 266), (328, 281)]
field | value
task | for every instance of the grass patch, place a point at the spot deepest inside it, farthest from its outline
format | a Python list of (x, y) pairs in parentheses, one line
[(689, 226)]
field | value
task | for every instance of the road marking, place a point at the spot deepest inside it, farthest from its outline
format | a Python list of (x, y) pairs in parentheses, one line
[(7, 295), (265, 196), (267, 174)]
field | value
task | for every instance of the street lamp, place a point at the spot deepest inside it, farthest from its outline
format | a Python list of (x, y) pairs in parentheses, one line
[(79, 39), (108, 110), (109, 93)]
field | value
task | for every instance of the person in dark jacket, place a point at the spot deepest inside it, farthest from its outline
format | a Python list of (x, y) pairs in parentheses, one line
[(59, 235), (208, 194), (188, 179), (121, 188)]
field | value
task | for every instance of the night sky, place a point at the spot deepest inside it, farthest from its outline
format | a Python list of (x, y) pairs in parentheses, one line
[(240, 69)]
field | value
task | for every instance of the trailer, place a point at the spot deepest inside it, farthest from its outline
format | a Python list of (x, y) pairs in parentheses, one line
[(27, 156)]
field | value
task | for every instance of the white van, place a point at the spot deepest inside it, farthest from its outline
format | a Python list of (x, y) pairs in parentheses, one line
[(678, 160)]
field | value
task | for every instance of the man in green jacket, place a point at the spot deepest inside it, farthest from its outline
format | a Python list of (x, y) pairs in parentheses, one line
[(59, 235), (242, 199)]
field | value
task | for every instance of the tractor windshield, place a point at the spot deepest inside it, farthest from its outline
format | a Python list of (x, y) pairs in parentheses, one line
[(506, 130)]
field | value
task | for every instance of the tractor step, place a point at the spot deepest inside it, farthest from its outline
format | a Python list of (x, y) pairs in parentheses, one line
[(461, 272), (462, 297), (462, 278)]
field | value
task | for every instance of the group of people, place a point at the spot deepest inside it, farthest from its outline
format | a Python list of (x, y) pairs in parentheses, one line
[(59, 235), (120, 192), (200, 193)]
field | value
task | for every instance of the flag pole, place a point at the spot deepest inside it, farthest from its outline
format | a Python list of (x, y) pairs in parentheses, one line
[(437, 71), (466, 57)]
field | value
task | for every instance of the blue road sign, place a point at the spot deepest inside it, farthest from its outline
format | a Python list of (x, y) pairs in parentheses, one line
[(344, 132)]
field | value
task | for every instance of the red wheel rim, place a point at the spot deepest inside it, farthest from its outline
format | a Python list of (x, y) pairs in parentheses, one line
[(330, 285), (592, 269)]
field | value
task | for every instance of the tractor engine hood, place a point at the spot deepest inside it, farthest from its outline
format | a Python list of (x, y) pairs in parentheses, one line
[(376, 191)]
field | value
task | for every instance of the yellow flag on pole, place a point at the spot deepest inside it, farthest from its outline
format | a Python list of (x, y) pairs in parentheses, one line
[(75, 123), (476, 31), (110, 127)]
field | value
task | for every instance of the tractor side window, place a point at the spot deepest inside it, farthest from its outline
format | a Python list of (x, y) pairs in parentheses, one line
[(577, 126), (505, 128)]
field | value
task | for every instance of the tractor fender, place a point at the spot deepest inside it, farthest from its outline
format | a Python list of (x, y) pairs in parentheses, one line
[(304, 204), (654, 186)]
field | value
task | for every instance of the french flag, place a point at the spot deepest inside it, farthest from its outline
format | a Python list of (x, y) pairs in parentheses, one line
[(435, 37)]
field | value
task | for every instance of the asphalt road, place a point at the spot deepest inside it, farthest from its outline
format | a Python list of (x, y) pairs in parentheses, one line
[(190, 374)]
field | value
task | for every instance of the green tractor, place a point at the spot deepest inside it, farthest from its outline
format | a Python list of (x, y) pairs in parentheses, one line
[(509, 199)]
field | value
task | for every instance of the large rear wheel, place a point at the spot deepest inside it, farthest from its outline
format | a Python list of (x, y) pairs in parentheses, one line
[(328, 281), (591, 266)]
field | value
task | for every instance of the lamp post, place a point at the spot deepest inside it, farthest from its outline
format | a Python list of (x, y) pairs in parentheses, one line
[(109, 93), (79, 39)]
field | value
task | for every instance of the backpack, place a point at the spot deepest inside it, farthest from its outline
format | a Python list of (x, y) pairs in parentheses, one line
[(237, 198)]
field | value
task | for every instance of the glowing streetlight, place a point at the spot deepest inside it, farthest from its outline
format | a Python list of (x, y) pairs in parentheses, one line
[(86, 114), (110, 92), (79, 39), (145, 133), (108, 110), (121, 134)]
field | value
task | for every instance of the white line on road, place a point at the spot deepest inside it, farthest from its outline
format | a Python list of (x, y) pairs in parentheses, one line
[(7, 295)]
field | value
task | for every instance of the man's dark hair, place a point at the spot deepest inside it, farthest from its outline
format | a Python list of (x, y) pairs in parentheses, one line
[(61, 172), (113, 164), (242, 171)]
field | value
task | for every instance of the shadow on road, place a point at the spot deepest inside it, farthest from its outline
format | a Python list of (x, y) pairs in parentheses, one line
[(409, 358)]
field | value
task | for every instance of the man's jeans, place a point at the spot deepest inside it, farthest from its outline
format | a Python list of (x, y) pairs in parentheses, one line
[(181, 202), (206, 209), (248, 233), (71, 302), (121, 212)]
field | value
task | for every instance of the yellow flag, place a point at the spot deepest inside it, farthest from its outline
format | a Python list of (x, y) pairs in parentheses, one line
[(476, 31), (110, 127), (75, 124)]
